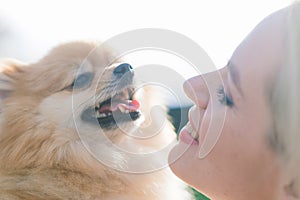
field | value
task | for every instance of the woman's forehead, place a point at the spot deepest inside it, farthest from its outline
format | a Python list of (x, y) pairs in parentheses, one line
[(261, 54)]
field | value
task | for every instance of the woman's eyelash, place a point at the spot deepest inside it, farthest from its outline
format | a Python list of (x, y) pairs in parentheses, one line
[(223, 98)]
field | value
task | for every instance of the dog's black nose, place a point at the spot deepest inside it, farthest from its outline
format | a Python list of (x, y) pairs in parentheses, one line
[(123, 69)]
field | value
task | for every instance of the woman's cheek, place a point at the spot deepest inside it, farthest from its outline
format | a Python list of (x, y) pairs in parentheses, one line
[(204, 128), (212, 128)]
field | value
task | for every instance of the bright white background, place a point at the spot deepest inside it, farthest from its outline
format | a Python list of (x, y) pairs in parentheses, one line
[(218, 26)]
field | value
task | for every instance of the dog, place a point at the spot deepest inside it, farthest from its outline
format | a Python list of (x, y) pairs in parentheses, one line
[(71, 127)]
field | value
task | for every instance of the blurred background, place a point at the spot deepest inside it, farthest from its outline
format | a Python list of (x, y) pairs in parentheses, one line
[(29, 29)]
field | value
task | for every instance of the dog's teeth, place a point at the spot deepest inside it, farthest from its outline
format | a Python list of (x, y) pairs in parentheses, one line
[(102, 115), (122, 109)]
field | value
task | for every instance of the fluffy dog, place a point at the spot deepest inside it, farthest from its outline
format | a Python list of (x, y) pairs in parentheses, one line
[(69, 124)]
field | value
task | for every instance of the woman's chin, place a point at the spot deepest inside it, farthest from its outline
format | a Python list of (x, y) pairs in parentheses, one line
[(181, 157)]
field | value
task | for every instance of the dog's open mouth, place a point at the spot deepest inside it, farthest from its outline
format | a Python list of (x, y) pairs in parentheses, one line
[(120, 108)]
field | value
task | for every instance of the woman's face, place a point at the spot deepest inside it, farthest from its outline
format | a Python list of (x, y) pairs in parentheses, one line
[(242, 163)]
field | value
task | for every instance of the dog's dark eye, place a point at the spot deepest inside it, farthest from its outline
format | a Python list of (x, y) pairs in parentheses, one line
[(82, 81)]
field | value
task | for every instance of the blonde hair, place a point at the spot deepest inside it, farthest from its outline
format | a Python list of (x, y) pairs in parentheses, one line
[(286, 104)]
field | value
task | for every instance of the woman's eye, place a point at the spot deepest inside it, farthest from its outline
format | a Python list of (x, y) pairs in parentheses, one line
[(223, 97), (82, 81)]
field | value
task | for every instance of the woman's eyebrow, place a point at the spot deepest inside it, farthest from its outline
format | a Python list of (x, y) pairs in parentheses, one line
[(234, 75)]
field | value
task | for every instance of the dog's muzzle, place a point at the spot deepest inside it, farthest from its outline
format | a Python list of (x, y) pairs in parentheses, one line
[(121, 107)]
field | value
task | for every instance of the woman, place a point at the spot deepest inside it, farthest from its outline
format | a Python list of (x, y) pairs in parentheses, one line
[(256, 154)]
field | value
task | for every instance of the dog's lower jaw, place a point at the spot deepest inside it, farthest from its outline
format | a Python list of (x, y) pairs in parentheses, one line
[(111, 121)]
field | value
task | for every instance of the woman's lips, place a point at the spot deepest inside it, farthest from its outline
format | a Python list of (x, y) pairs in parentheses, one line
[(188, 135)]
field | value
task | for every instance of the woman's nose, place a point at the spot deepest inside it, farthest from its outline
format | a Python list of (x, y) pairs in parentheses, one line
[(196, 89), (203, 87)]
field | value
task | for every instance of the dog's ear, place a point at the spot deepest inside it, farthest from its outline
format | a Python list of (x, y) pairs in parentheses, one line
[(9, 70)]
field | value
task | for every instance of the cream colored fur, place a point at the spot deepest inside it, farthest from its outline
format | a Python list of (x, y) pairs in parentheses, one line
[(42, 155)]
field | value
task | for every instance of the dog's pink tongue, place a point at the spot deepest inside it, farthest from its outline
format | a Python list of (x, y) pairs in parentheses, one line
[(134, 105)]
